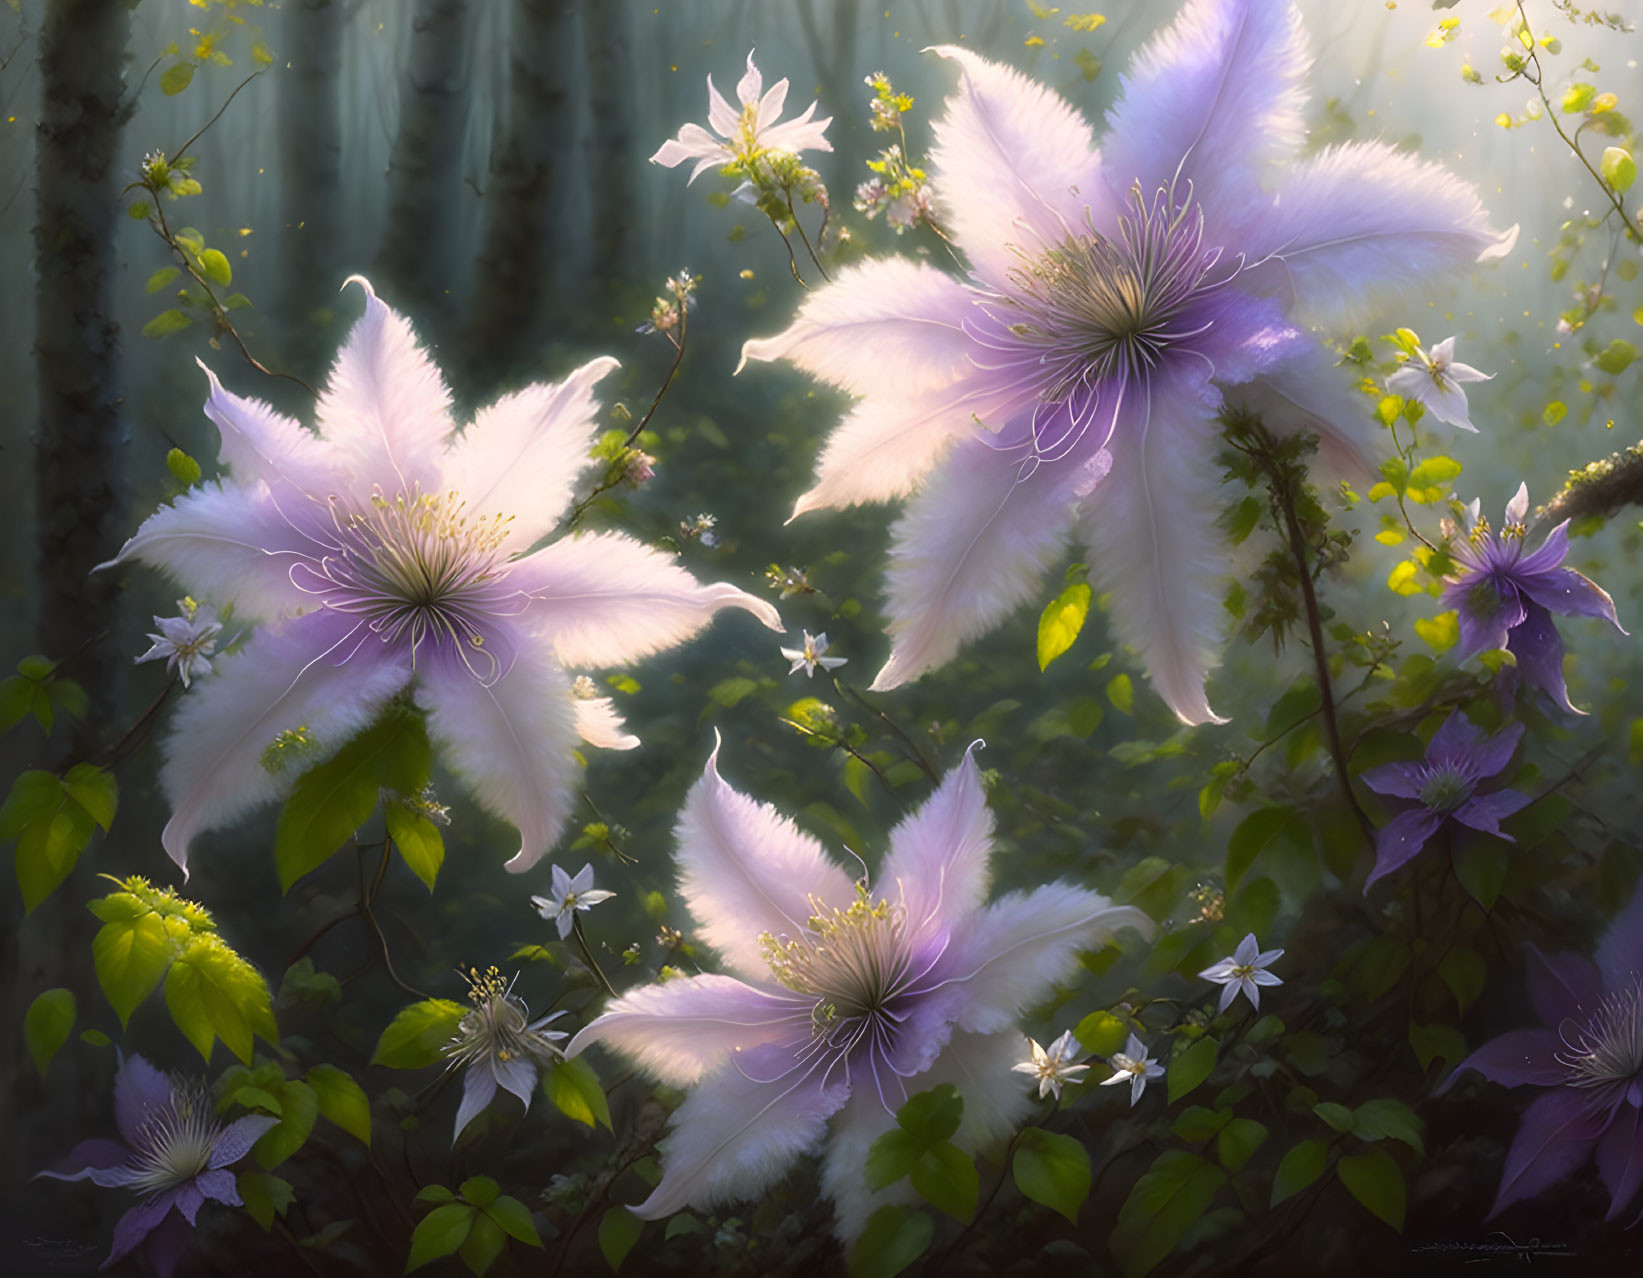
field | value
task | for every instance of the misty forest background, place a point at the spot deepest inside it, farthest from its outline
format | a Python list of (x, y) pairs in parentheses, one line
[(484, 163)]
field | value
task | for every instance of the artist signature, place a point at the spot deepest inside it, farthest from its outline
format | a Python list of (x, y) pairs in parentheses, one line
[(1496, 1246)]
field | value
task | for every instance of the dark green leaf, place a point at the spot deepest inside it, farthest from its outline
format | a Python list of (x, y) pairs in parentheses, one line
[(932, 1116), (1386, 1117), (440, 1233), (1480, 865), (893, 1238), (1376, 1181), (1190, 1067), (265, 1196), (1432, 1042), (417, 1036), (945, 1177), (1195, 1124), (576, 1092), (1238, 1141), (299, 1107), (1254, 832), (1053, 1170), (515, 1219), (1299, 1168), (47, 1025), (1337, 1116), (342, 1101), (1166, 1201), (891, 1156), (619, 1229), (418, 840), (95, 790)]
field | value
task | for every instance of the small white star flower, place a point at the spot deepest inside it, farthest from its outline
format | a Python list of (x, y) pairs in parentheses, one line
[(185, 641), (1434, 380), (810, 656), (1134, 1066), (1054, 1066), (569, 896), (1245, 970), (748, 135)]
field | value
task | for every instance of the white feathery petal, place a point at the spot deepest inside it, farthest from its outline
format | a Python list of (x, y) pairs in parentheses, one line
[(938, 855), (972, 547), (689, 1026), (1363, 225), (886, 326), (854, 1129), (599, 724), (732, 1137), (604, 599), (258, 443), (1154, 546), (1212, 100), (510, 742), (284, 679), (384, 412), (1012, 167), (745, 869), (478, 1091), (1011, 953), (522, 455), (223, 542)]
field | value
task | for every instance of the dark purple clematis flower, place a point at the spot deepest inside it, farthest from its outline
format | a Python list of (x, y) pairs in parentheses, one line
[(176, 1154), (1444, 785), (1506, 598), (1590, 1056)]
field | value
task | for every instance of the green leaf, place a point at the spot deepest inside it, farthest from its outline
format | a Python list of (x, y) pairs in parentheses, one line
[(1053, 1170), (1441, 632), (1465, 973), (342, 1101), (1190, 1067), (47, 1025), (1253, 833), (732, 692), (95, 790), (1062, 619), (417, 1036), (434, 1194), (1101, 1033), (1480, 865), (891, 1156), (931, 1116), (576, 1092), (1196, 1124), (1121, 692), (945, 1177), (1299, 1168), (1430, 481), (514, 1218), (418, 840), (440, 1233), (1380, 966), (483, 1244), (1431, 1042), (1238, 1141), (166, 323), (1616, 357), (1337, 1116), (892, 1239), (131, 957), (33, 796), (1387, 1118), (138, 210), (299, 1107), (16, 696), (1166, 1201), (1618, 168), (265, 1196), (619, 1229), (212, 992), (1377, 1182), (176, 77), (161, 278), (258, 1098), (481, 1191), (214, 266), (184, 469)]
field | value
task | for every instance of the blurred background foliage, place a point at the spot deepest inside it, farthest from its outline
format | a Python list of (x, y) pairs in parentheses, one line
[(484, 163)]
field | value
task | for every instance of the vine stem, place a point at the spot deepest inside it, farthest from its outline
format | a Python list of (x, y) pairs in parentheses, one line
[(587, 954)]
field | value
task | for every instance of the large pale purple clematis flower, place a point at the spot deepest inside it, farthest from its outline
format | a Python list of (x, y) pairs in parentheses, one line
[(1591, 1057), (1445, 786), (1116, 302), (1505, 598), (387, 549), (845, 1001), (175, 1154)]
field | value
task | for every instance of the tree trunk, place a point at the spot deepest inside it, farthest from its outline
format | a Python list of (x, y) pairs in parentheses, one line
[(311, 208), (421, 253), (81, 454), (608, 56), (524, 204)]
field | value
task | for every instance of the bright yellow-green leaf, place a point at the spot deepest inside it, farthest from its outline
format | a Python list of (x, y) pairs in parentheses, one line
[(1441, 632), (342, 1100), (1060, 622), (214, 266), (176, 77)]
